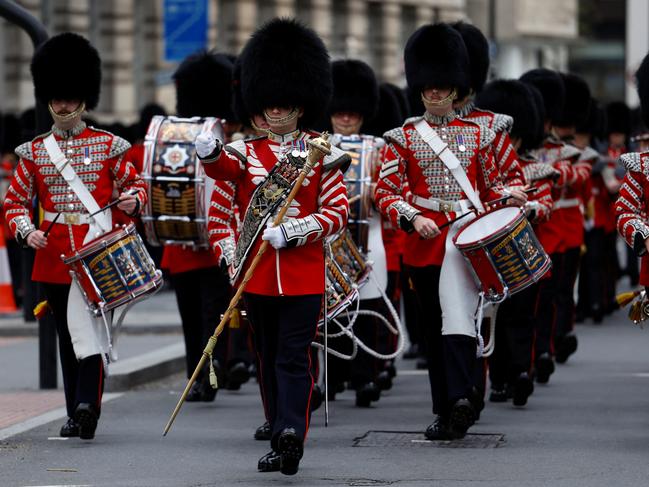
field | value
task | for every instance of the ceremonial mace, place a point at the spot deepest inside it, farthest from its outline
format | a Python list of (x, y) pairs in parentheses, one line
[(318, 148)]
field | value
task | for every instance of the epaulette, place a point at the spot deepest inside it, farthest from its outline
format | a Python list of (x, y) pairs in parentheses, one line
[(411, 121), (238, 148), (24, 151), (632, 161), (337, 158), (502, 123), (589, 154), (119, 146), (569, 152), (397, 135), (487, 136)]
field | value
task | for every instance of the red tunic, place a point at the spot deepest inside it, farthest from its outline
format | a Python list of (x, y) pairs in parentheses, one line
[(37, 176), (632, 205), (320, 209), (411, 170)]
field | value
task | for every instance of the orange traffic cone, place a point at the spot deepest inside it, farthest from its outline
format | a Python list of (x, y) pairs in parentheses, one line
[(7, 302)]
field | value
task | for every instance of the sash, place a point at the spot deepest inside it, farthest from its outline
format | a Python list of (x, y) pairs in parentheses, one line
[(450, 160), (265, 201)]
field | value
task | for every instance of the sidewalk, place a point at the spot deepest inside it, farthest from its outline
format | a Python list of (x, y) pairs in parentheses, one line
[(150, 347)]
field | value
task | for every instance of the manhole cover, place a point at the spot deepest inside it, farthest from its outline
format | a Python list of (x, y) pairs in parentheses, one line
[(417, 439)]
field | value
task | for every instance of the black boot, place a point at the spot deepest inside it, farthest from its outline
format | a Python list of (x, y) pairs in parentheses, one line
[(384, 381), (86, 416), (70, 429), (566, 347), (195, 394), (270, 462), (290, 449), (498, 394), (438, 430), (544, 368), (367, 393), (523, 388), (461, 418), (263, 433), (237, 374)]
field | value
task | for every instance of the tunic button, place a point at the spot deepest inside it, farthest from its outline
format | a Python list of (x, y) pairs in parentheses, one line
[(69, 196), (71, 206), (444, 136)]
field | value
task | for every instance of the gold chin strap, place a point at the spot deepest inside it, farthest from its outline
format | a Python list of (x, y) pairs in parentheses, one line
[(440, 103), (257, 127), (281, 121), (70, 116)]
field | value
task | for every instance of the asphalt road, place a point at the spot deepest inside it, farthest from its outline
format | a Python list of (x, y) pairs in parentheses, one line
[(588, 427)]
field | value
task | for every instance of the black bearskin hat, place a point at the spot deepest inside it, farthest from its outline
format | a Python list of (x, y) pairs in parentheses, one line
[(642, 84), (595, 123), (147, 112), (435, 55), (67, 67), (203, 85), (389, 114), (285, 64), (550, 84), (477, 47), (355, 88), (402, 98), (513, 98), (540, 109), (618, 118), (577, 104)]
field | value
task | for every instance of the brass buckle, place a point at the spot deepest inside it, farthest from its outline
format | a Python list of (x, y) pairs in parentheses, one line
[(71, 218), (446, 207)]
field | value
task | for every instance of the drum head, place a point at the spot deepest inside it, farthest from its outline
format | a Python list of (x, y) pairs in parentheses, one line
[(487, 225)]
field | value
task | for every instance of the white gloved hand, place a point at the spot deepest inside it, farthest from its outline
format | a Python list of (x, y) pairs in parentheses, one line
[(275, 237), (205, 144)]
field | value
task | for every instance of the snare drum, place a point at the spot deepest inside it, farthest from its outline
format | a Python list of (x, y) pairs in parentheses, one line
[(503, 252), (113, 270), (179, 192), (348, 257)]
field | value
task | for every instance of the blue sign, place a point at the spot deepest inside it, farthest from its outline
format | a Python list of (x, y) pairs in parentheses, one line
[(185, 28)]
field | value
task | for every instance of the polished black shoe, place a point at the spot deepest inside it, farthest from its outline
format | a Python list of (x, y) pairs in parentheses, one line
[(438, 430), (477, 400), (70, 429), (566, 347), (195, 394), (461, 418), (391, 368), (263, 433), (317, 398), (544, 368), (366, 394), (290, 448), (384, 381), (237, 374), (523, 388), (270, 462), (498, 394), (86, 416)]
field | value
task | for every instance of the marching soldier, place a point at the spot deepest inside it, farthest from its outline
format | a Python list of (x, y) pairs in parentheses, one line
[(440, 188), (286, 76), (71, 169)]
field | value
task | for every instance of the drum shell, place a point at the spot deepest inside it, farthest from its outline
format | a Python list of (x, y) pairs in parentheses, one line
[(508, 260), (179, 191)]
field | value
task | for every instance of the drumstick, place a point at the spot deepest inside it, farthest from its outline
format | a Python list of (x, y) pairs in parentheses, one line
[(112, 203), (47, 232)]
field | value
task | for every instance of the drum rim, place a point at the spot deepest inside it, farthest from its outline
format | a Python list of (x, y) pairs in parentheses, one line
[(100, 242), (154, 283), (502, 231)]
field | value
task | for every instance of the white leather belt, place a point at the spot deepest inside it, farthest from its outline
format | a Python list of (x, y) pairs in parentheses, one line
[(68, 218), (566, 203), (460, 206)]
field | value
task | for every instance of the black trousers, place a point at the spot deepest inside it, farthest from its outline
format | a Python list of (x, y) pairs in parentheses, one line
[(369, 329), (612, 266), (565, 301), (592, 274), (546, 315), (283, 329), (513, 350), (451, 358), (83, 380), (202, 296)]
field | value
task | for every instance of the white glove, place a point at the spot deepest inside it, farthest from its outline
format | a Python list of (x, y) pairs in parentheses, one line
[(275, 236), (205, 144)]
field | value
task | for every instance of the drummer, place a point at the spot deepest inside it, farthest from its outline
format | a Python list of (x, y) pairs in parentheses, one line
[(437, 69), (201, 285), (95, 161)]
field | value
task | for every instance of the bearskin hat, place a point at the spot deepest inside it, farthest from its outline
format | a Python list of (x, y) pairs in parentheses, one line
[(355, 88), (550, 84), (285, 64), (9, 133), (618, 118), (513, 98), (642, 84), (435, 55), (540, 110), (147, 112), (67, 67), (203, 84), (477, 47), (577, 104), (595, 123), (401, 97), (415, 105), (389, 114)]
